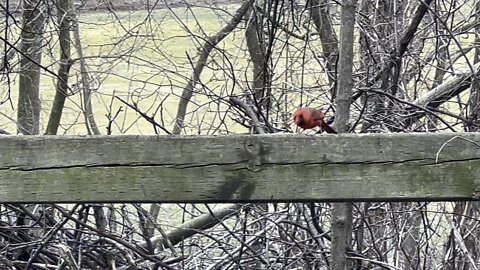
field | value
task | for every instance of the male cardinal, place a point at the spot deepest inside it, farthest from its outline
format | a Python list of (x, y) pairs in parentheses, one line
[(308, 118)]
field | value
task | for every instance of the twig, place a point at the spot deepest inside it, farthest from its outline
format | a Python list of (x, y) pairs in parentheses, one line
[(207, 47), (461, 244), (379, 263), (249, 112), (148, 118), (404, 42), (114, 238), (450, 140), (414, 105), (49, 237)]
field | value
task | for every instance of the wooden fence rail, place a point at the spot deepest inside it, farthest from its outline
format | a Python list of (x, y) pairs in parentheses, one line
[(440, 166)]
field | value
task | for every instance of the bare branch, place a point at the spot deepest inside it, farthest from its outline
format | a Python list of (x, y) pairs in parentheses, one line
[(207, 47)]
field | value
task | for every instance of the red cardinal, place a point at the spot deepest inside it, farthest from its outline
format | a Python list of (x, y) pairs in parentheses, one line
[(308, 118)]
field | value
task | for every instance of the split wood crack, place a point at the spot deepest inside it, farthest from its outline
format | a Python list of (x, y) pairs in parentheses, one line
[(244, 163)]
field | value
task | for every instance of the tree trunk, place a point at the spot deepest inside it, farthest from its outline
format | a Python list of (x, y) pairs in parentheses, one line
[(329, 41), (342, 212), (28, 114), (345, 81), (61, 93), (255, 40)]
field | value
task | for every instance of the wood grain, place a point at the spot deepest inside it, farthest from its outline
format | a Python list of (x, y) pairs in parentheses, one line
[(240, 168)]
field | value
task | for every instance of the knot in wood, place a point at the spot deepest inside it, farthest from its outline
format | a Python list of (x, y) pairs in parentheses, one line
[(253, 153), (341, 223)]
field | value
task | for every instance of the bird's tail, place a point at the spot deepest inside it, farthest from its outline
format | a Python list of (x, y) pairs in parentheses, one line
[(327, 128)]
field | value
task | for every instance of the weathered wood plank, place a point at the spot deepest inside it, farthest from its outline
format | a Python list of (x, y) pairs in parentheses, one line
[(240, 168)]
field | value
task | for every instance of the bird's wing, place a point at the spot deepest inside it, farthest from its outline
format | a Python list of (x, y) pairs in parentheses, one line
[(317, 115)]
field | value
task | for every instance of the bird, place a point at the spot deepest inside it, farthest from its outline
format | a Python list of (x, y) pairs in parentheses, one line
[(308, 118)]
